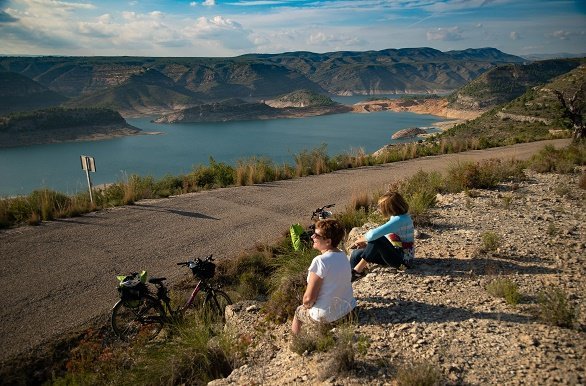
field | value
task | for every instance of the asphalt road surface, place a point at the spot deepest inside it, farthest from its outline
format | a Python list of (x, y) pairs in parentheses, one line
[(59, 276)]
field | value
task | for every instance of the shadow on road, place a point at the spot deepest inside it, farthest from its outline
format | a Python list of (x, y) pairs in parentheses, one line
[(174, 211)]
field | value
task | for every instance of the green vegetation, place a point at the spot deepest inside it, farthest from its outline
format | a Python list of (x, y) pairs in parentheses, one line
[(46, 205), (504, 288), (490, 241), (507, 82), (534, 114), (59, 117), (307, 98), (419, 374), (551, 160), (555, 308)]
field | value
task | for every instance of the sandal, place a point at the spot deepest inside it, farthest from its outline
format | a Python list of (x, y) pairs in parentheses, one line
[(357, 275)]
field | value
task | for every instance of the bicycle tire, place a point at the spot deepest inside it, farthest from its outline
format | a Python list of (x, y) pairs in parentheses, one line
[(215, 304), (145, 320)]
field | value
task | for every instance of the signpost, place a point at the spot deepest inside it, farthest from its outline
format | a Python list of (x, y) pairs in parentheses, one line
[(89, 165)]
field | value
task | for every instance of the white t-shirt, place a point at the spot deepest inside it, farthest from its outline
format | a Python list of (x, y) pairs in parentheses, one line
[(335, 298)]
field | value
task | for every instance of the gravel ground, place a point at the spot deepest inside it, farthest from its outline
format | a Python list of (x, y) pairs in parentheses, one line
[(60, 276)]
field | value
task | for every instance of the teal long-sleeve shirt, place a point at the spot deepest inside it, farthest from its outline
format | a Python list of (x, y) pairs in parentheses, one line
[(401, 225)]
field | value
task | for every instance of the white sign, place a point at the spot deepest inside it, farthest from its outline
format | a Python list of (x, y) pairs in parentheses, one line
[(87, 163)]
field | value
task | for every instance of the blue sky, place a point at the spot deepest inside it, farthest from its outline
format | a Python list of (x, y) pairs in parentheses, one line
[(234, 27)]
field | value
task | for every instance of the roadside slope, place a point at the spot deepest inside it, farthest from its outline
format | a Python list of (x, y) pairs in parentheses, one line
[(60, 275)]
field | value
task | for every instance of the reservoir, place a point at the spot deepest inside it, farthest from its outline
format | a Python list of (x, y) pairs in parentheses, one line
[(180, 147)]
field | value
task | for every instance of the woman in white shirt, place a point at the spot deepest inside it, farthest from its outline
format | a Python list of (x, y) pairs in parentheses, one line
[(328, 296)]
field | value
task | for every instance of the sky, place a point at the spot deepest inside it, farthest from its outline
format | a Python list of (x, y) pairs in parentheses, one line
[(208, 28)]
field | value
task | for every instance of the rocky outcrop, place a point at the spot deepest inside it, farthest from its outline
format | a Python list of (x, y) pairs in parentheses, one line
[(440, 314), (522, 118), (239, 110), (432, 106), (408, 133), (61, 125)]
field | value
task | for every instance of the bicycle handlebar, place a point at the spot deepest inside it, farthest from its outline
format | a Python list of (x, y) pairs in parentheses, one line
[(198, 260), (318, 211)]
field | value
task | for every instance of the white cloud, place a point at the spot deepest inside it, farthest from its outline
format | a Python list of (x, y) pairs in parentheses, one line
[(209, 3), (330, 39), (445, 34), (514, 35), (561, 34), (225, 32), (193, 4)]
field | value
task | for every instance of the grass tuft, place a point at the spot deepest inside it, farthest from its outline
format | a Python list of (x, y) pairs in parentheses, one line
[(490, 241), (555, 308), (504, 288), (419, 374)]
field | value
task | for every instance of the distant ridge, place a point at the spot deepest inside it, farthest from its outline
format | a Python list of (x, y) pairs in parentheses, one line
[(19, 93), (128, 85)]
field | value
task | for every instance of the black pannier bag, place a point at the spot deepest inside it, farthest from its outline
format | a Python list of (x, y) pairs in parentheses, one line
[(203, 269), (132, 288)]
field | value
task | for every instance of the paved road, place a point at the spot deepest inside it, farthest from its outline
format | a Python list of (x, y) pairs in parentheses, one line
[(59, 276)]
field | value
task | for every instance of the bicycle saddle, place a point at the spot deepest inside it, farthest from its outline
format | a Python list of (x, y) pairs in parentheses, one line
[(157, 280)]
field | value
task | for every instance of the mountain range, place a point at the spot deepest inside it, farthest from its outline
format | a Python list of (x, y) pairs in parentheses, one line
[(145, 86)]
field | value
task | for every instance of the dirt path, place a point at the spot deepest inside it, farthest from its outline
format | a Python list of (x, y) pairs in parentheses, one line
[(59, 276)]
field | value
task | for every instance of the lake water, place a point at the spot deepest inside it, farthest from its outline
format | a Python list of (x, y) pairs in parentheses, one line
[(180, 147)]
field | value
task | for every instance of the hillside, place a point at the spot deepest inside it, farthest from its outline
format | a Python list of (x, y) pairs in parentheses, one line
[(534, 114), (440, 315), (111, 81), (145, 93), (294, 105), (19, 93), (504, 83), (59, 124)]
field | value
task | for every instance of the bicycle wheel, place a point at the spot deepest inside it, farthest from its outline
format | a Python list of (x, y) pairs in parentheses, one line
[(215, 305), (145, 320)]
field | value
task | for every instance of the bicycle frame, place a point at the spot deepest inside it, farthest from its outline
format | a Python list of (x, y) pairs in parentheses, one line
[(166, 301)]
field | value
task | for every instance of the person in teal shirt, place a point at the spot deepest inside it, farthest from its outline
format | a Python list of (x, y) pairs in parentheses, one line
[(390, 244)]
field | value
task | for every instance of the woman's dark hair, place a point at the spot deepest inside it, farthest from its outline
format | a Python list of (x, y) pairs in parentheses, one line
[(331, 229), (393, 204)]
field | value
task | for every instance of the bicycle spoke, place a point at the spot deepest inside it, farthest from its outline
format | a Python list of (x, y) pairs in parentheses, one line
[(145, 320)]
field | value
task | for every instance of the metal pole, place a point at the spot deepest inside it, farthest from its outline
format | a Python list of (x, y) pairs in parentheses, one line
[(89, 183)]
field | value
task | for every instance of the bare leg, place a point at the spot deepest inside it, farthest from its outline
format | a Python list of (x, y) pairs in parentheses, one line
[(296, 325), (361, 265)]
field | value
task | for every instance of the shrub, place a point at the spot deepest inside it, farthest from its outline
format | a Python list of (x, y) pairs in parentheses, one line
[(311, 162), (168, 185), (550, 159), (249, 273), (555, 308), (351, 218), (490, 241), (504, 288), (313, 338), (255, 171), (420, 192), (419, 374), (46, 203), (288, 283), (360, 200), (482, 175)]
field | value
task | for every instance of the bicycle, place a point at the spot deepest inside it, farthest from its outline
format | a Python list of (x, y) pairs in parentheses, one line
[(140, 313), (300, 236)]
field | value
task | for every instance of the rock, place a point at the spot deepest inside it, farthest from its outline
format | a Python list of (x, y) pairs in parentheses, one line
[(408, 133)]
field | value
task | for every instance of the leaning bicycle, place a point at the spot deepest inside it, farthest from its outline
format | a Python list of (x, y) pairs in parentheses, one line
[(302, 237), (141, 312)]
